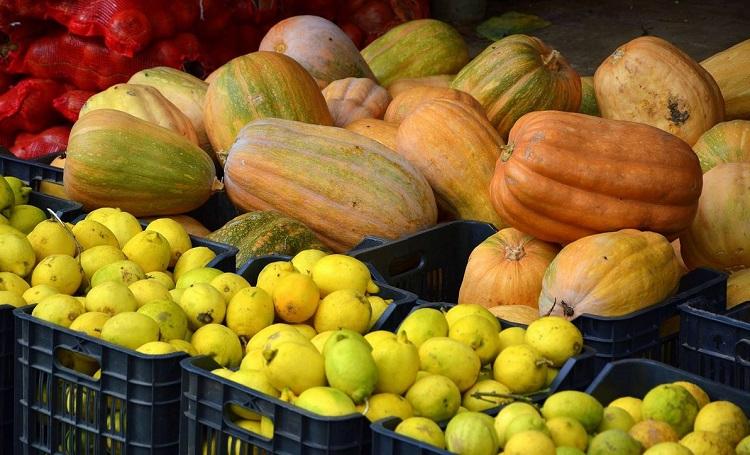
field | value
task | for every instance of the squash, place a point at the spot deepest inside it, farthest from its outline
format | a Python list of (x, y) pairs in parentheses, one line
[(259, 85), (718, 236), (320, 46), (265, 232), (402, 85), (648, 80), (506, 269), (725, 142), (144, 102), (518, 314), (352, 99), (516, 75), (379, 130), (730, 69), (405, 103), (738, 288), (588, 97), (341, 184), (566, 175), (455, 148), (184, 90), (117, 160), (419, 48), (610, 274)]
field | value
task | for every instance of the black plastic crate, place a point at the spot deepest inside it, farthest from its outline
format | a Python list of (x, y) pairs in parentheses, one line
[(31, 172), (6, 379), (58, 409), (64, 209), (402, 304), (716, 345)]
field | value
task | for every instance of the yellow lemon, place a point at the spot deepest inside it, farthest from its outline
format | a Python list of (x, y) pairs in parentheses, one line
[(112, 298), (97, 257), (521, 368), (219, 342), (90, 323), (125, 272), (253, 360), (423, 324), (325, 401), (35, 294), (480, 396), (184, 346), (172, 320), (147, 290), (16, 254), (319, 340), (397, 360), (725, 419), (382, 405), (347, 309), (176, 236), (630, 404), (378, 307), (699, 394), (229, 284), (258, 341), (295, 366), (130, 330), (50, 237), (374, 338), (422, 429), (162, 277), (307, 330), (336, 272), (304, 261), (460, 311), (198, 256), (479, 334), (556, 339), (150, 250), (156, 348), (90, 233), (295, 298), (203, 305), (249, 311), (12, 299), (272, 273), (122, 224), (25, 217), (60, 271), (435, 397), (511, 336)]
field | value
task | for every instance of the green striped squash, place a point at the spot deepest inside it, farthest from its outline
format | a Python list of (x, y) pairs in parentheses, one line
[(117, 160), (725, 142), (424, 47), (588, 97), (259, 85), (516, 75)]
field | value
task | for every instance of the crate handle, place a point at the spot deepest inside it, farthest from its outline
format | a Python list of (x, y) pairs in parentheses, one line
[(77, 360)]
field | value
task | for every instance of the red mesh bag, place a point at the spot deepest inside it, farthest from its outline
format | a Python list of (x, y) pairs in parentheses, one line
[(27, 106), (366, 20), (69, 103), (13, 10), (30, 146)]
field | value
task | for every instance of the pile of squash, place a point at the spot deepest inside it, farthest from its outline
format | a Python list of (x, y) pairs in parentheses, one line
[(409, 131)]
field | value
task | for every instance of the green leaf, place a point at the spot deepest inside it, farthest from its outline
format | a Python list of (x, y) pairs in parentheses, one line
[(510, 23)]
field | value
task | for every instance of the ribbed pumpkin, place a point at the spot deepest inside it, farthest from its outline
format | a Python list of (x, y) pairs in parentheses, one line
[(648, 80), (402, 85), (379, 130), (259, 85), (506, 269), (339, 183), (726, 142), (355, 98), (424, 47), (588, 97), (610, 274), (117, 160), (144, 102), (455, 148), (516, 75), (718, 236), (320, 46), (184, 90), (520, 314), (565, 175), (730, 69), (738, 288), (405, 103)]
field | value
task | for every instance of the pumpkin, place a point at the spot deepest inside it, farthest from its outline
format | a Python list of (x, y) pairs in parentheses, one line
[(588, 97), (352, 99), (718, 236), (320, 46), (519, 314), (402, 85), (730, 69), (424, 47), (738, 288), (455, 148), (506, 269), (566, 175), (117, 160), (144, 102), (405, 103), (259, 85), (184, 90), (379, 130), (648, 80), (610, 274), (516, 75), (265, 232), (725, 142), (341, 184)]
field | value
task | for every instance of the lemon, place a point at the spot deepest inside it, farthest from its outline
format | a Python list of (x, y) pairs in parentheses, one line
[(176, 295), (197, 275), (706, 443), (176, 236), (295, 298), (97, 257), (479, 334), (249, 311), (701, 397), (551, 376), (7, 196), (577, 405), (521, 368), (725, 419), (150, 250), (378, 307), (672, 404), (130, 330), (358, 382), (556, 338), (305, 329), (122, 224), (435, 397), (60, 271), (14, 283), (198, 256), (258, 341), (26, 217), (672, 448), (229, 284), (630, 404), (16, 254), (615, 418), (125, 272), (382, 405), (163, 278), (50, 237), (346, 308), (567, 432), (460, 311), (397, 361), (146, 291), (380, 335), (452, 359), (112, 298), (20, 190), (422, 429), (652, 432), (253, 379), (511, 336), (157, 348), (473, 400), (203, 305), (219, 342), (294, 365), (272, 273), (423, 324), (743, 448), (11, 298), (319, 340), (253, 360), (223, 372), (90, 323), (508, 414), (101, 214), (90, 233), (304, 261), (58, 309), (285, 336), (325, 401), (336, 272), (525, 422), (35, 294), (530, 443), (184, 346), (172, 320), (471, 433)]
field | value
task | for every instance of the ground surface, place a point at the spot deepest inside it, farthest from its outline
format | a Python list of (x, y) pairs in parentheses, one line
[(587, 31)]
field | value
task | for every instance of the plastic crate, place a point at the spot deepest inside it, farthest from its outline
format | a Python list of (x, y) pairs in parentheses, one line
[(6, 379), (716, 345), (402, 304), (58, 409), (31, 172)]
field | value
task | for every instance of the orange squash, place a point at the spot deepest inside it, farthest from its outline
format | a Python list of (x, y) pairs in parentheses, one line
[(726, 142), (405, 103), (565, 175), (402, 85), (379, 130), (649, 80), (455, 148), (352, 99), (730, 69), (520, 314), (506, 269), (738, 288)]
